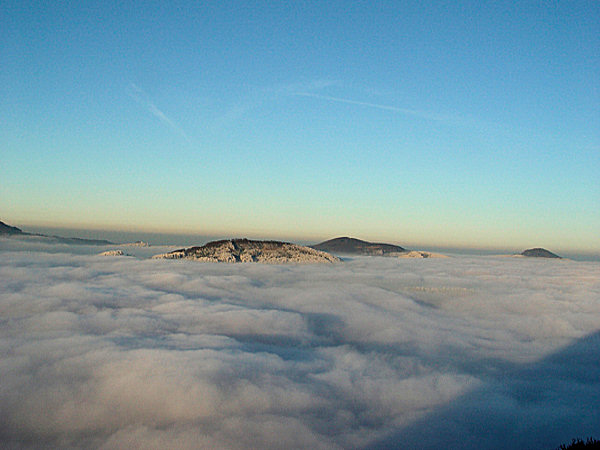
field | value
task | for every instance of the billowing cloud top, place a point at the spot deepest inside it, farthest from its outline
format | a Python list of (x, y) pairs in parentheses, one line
[(464, 352)]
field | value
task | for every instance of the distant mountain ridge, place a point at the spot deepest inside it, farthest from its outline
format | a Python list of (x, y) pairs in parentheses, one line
[(246, 250), (7, 229), (353, 246), (14, 231)]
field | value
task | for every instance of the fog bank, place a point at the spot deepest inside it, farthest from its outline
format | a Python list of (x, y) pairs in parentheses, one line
[(120, 352)]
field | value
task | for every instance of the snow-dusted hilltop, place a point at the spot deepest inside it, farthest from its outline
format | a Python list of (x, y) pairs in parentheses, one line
[(112, 253), (417, 254), (245, 250), (136, 244)]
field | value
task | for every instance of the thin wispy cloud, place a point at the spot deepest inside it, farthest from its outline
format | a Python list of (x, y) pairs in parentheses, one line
[(409, 112), (140, 96), (260, 96)]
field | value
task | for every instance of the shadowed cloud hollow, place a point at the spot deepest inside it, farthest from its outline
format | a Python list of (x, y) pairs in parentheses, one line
[(123, 352)]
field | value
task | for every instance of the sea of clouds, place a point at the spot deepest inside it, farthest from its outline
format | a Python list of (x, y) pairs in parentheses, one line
[(464, 352)]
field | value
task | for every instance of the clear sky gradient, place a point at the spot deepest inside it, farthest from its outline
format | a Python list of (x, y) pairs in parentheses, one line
[(442, 123)]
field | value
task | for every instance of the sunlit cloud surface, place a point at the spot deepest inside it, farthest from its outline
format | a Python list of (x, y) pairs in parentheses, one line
[(120, 352)]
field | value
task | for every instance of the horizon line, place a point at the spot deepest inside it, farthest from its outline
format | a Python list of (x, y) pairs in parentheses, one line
[(315, 238)]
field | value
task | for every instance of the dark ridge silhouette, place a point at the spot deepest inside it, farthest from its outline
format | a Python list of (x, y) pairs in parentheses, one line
[(78, 241), (352, 246), (526, 406), (14, 231), (576, 444), (7, 229), (539, 253)]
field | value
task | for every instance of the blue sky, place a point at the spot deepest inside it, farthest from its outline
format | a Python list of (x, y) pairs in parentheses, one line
[(441, 123)]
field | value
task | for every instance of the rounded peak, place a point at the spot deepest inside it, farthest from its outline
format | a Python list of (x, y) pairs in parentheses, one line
[(539, 252), (247, 250), (348, 245)]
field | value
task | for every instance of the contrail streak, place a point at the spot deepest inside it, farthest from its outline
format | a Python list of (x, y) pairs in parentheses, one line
[(408, 112), (141, 97)]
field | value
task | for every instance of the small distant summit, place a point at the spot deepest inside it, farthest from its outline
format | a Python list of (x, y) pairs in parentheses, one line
[(539, 253), (352, 246), (246, 250), (113, 253), (136, 244), (418, 254), (7, 229)]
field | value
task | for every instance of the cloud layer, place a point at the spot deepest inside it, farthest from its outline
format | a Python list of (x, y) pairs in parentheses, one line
[(116, 352)]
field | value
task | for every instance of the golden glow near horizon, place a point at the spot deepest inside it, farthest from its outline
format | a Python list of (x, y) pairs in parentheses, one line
[(425, 235)]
